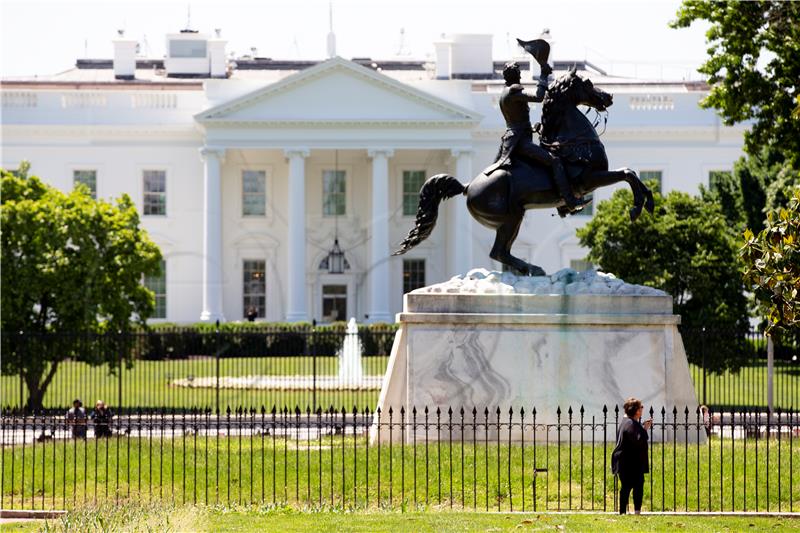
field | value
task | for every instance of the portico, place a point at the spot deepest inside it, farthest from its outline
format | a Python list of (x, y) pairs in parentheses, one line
[(295, 130)]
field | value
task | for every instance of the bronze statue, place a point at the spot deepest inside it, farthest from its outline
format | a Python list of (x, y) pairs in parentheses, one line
[(499, 196)]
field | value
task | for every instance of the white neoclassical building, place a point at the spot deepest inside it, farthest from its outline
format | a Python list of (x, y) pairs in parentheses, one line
[(246, 172)]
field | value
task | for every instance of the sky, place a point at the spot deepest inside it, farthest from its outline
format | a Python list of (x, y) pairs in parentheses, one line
[(627, 38)]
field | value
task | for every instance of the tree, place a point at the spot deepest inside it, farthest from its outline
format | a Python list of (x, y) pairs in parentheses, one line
[(752, 68), (688, 249), (772, 261), (71, 267)]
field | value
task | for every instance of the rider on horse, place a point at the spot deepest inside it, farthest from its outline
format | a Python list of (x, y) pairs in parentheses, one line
[(518, 138)]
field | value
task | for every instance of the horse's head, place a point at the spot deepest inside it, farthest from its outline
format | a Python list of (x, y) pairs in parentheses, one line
[(583, 92)]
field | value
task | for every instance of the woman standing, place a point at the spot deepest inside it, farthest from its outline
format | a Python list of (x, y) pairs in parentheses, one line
[(629, 460)]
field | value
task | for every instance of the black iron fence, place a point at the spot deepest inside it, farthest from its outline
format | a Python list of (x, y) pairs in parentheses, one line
[(313, 367), (469, 458)]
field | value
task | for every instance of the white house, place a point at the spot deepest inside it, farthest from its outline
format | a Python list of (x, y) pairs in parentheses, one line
[(246, 172)]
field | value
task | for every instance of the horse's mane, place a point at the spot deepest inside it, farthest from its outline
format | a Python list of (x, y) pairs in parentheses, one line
[(554, 103)]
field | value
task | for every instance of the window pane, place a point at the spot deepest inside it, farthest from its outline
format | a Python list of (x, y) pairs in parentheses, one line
[(180, 48), (254, 197), (333, 192), (158, 284), (413, 274), (254, 287), (334, 303), (580, 265), (88, 178), (653, 176), (412, 183), (154, 184)]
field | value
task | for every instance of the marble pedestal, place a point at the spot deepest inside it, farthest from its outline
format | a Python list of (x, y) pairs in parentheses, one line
[(492, 340)]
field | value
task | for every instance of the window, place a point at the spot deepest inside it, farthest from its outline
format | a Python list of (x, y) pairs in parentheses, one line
[(413, 274), (333, 192), (181, 48), (254, 193), (715, 177), (651, 175), (334, 303), (412, 183), (254, 287), (158, 284), (88, 178), (155, 192), (580, 265)]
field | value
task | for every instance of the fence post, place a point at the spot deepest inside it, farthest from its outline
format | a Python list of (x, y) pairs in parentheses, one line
[(703, 355), (119, 370), (313, 362), (770, 371), (216, 352)]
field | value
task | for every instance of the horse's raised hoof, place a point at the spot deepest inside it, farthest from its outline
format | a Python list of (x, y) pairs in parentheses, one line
[(635, 212), (649, 204)]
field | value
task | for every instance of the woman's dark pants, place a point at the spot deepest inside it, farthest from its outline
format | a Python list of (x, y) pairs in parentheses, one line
[(630, 482)]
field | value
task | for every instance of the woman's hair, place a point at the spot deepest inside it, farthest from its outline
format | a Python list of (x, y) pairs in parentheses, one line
[(631, 406)]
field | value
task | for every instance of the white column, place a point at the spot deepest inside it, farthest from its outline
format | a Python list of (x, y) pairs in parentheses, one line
[(296, 297), (459, 221), (212, 234), (379, 282)]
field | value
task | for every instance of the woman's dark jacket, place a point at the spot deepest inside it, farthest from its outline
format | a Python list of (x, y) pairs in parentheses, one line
[(630, 454)]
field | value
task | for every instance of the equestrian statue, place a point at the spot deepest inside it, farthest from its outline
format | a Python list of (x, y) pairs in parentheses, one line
[(568, 163)]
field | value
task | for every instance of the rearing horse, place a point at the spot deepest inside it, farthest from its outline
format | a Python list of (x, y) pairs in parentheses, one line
[(499, 200)]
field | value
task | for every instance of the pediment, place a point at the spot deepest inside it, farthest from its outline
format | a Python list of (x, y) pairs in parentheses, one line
[(341, 92)]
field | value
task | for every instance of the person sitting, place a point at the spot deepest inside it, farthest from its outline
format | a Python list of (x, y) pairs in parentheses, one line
[(76, 419), (102, 419)]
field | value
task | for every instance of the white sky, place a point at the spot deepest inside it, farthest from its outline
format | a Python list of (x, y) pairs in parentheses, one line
[(628, 37)]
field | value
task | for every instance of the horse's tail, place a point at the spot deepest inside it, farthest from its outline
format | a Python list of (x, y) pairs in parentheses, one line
[(436, 188)]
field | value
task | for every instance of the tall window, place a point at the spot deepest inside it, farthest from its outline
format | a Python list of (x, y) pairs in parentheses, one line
[(254, 193), (88, 178), (412, 183), (715, 177), (254, 287), (652, 175), (154, 184), (580, 265), (333, 192), (158, 284), (334, 303), (413, 274)]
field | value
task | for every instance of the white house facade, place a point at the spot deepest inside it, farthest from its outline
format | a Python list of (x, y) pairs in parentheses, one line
[(246, 174)]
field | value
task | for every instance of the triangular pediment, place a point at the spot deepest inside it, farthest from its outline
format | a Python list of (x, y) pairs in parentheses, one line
[(338, 91)]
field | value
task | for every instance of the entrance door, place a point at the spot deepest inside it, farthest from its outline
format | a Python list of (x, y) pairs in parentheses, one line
[(334, 303)]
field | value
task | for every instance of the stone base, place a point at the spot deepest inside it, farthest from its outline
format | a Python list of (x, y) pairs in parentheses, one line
[(553, 349)]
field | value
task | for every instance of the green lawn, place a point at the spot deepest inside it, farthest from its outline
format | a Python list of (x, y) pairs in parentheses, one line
[(147, 384), (340, 472), (167, 518)]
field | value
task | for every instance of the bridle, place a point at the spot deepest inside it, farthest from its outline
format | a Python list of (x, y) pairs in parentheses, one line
[(579, 139)]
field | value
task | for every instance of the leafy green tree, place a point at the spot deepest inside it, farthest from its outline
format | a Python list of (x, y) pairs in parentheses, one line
[(71, 266), (772, 261), (687, 249), (753, 66)]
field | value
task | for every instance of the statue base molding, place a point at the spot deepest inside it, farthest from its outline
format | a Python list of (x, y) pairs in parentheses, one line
[(493, 340)]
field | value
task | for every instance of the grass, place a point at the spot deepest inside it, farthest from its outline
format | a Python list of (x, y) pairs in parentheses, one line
[(147, 384), (342, 472), (134, 517)]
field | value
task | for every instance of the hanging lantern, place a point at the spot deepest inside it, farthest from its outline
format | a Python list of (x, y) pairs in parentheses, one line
[(335, 262)]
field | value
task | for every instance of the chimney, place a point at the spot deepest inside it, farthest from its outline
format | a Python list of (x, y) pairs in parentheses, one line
[(218, 67), (464, 55), (124, 57)]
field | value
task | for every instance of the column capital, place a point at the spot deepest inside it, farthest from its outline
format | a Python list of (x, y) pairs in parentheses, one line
[(380, 152), (212, 151), (462, 151), (296, 152)]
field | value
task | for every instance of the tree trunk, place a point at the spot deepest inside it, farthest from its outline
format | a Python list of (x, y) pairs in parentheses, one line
[(37, 387)]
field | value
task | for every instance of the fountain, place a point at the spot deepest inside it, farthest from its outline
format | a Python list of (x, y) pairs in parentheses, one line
[(350, 372)]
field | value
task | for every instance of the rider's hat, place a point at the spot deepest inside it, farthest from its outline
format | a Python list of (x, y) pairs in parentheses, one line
[(538, 48)]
